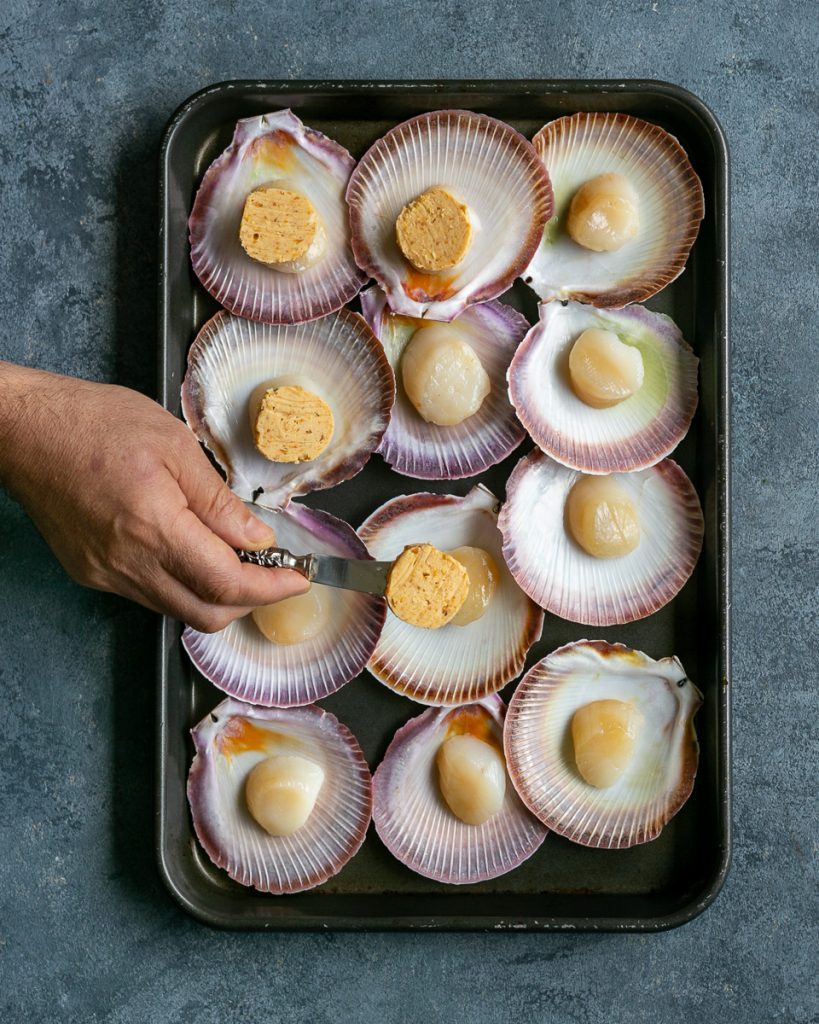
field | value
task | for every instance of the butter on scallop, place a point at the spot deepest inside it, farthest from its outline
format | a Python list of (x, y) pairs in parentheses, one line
[(289, 423), (472, 778), (281, 792), (426, 587), (282, 229), (433, 231)]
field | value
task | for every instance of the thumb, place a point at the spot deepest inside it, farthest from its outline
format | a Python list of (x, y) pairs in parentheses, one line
[(213, 502)]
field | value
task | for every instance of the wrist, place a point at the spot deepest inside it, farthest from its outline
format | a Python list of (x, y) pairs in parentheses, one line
[(24, 395)]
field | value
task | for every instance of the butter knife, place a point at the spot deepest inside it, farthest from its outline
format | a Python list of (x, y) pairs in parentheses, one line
[(363, 575)]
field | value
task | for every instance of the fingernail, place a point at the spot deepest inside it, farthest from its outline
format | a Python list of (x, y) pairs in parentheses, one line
[(258, 532)]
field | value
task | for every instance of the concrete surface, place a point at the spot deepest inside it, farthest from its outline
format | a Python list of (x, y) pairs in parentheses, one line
[(87, 932)]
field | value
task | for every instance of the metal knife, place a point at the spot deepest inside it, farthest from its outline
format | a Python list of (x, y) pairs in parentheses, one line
[(363, 575)]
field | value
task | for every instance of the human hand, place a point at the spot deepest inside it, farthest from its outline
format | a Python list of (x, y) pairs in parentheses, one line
[(127, 500)]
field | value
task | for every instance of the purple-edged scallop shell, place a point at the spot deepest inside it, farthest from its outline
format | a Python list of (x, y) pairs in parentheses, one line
[(415, 823), (581, 147), (540, 753), (416, 448), (454, 664), (486, 165), (242, 662), (338, 358), (567, 581), (229, 742), (633, 434), (274, 150)]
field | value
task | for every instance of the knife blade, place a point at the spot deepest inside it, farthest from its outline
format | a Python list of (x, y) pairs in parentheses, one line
[(363, 575)]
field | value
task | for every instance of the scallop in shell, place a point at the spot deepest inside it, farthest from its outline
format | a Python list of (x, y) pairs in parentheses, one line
[(432, 451), (647, 196), (276, 152), (445, 759), (600, 549), (339, 635), (491, 191), (456, 664), (336, 361), (601, 711), (642, 375), (314, 797)]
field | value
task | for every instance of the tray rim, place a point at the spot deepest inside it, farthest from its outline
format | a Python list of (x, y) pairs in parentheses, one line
[(168, 627)]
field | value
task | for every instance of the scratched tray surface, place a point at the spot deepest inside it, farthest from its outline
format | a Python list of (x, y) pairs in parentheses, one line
[(657, 885)]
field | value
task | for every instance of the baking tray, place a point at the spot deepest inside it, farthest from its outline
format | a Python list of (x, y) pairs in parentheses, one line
[(564, 886)]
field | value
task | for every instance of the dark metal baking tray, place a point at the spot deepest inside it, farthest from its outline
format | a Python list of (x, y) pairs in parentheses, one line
[(659, 885)]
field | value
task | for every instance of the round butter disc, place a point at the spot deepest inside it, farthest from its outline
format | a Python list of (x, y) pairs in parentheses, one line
[(278, 225), (292, 425), (433, 231), (426, 587)]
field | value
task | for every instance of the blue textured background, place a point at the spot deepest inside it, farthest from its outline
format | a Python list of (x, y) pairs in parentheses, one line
[(87, 932)]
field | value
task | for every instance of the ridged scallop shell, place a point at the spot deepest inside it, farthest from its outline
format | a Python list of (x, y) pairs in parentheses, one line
[(562, 578), (577, 148), (268, 150), (229, 742), (488, 166), (454, 664), (242, 662), (424, 450), (418, 828), (540, 756), (337, 358), (635, 433)]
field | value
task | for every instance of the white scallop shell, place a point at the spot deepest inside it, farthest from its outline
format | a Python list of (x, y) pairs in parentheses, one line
[(275, 150), (338, 358), (415, 824), (580, 147), (242, 662), (232, 839), (562, 578), (485, 164), (635, 433), (424, 450), (540, 756), (454, 664)]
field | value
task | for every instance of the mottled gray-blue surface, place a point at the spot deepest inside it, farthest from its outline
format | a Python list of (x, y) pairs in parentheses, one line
[(87, 932)]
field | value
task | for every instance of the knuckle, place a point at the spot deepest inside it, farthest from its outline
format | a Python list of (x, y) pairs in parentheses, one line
[(221, 504), (220, 589)]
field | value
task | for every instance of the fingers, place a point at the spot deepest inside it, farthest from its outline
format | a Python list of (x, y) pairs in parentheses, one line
[(212, 501), (168, 596), (209, 568)]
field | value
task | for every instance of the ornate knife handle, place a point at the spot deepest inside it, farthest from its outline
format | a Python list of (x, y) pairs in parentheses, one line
[(279, 558)]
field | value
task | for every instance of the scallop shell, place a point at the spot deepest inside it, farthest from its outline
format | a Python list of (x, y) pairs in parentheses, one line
[(229, 742), (631, 435), (489, 167), (577, 148), (562, 578), (424, 450), (413, 821), (540, 759), (454, 664), (242, 662), (274, 149), (336, 357)]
